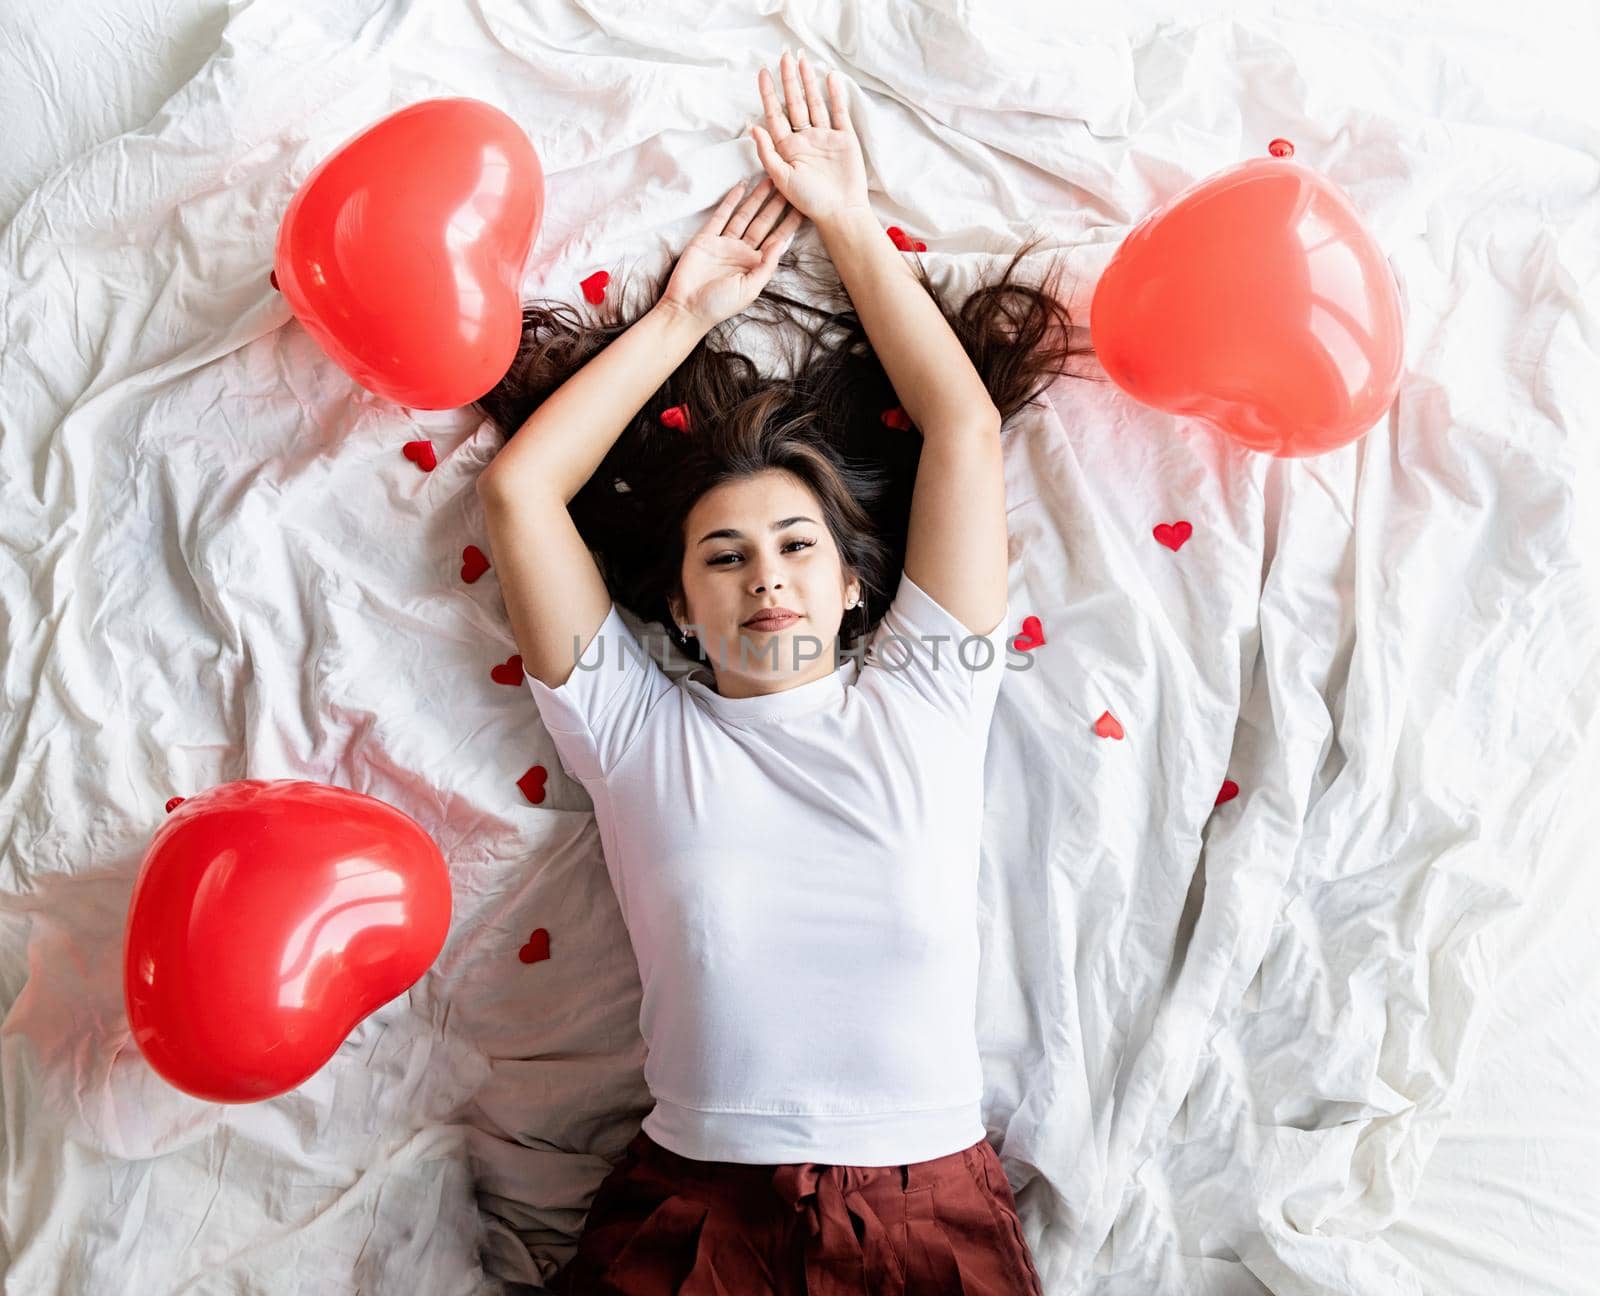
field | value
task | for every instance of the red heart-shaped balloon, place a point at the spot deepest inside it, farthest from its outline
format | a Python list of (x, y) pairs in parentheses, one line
[(268, 918), (402, 252), (1256, 300)]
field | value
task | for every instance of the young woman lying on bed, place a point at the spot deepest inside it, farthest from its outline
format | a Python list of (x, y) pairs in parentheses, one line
[(793, 839)]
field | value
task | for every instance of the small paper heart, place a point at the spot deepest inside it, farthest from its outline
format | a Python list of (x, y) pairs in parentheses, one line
[(1107, 727), (897, 236), (1031, 637), (532, 783), (594, 287), (538, 947), (508, 673), (895, 417), (1230, 789), (1173, 536), (473, 563), (173, 803), (676, 417), (421, 454)]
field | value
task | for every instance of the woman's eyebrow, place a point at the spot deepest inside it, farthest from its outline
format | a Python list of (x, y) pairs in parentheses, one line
[(731, 534)]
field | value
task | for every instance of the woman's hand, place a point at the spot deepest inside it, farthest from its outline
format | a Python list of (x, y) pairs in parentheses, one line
[(816, 164), (732, 256)]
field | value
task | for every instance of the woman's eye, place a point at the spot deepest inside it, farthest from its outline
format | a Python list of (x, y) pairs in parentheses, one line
[(717, 561)]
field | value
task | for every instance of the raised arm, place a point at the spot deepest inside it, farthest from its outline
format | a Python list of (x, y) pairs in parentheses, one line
[(930, 370), (956, 545), (553, 590), (811, 152), (721, 270), (564, 440)]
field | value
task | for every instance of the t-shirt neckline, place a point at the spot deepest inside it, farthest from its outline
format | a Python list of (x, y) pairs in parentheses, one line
[(810, 696)]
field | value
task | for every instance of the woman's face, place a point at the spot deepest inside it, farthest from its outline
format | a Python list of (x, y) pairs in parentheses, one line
[(780, 555)]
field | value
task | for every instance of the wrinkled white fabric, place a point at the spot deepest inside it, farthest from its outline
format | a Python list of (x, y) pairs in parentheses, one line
[(1219, 1043)]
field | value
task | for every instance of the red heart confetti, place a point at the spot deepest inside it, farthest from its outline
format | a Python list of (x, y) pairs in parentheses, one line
[(1173, 536), (904, 241), (1107, 727), (421, 454), (473, 563), (173, 803), (594, 287), (676, 417), (1031, 637), (1230, 789), (510, 672), (532, 783), (895, 417), (537, 949)]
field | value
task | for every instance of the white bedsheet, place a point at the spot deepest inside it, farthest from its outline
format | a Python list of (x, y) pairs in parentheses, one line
[(218, 565)]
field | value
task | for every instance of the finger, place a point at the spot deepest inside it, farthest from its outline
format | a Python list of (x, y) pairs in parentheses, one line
[(786, 232), (777, 123), (719, 218), (738, 225), (779, 240), (814, 105), (768, 153), (836, 96), (762, 223), (793, 96)]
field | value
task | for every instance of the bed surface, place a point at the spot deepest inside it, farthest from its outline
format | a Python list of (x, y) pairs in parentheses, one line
[(1335, 1035)]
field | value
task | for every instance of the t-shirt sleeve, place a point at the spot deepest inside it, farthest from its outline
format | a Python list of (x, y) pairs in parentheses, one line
[(922, 647), (602, 706)]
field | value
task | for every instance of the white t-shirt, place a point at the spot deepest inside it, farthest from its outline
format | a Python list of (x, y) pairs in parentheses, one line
[(798, 875)]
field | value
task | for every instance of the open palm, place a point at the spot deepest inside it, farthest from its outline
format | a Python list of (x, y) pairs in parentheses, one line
[(811, 153), (732, 256)]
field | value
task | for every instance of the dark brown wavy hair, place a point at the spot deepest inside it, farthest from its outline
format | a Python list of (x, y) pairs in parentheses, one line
[(825, 424)]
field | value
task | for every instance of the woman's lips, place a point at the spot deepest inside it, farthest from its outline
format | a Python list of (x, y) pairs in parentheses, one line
[(770, 623)]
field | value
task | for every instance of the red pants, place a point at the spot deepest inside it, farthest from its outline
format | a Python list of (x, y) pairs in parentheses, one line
[(665, 1225)]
